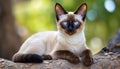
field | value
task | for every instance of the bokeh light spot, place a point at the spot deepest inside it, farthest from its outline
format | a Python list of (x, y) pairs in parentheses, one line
[(91, 15), (109, 5)]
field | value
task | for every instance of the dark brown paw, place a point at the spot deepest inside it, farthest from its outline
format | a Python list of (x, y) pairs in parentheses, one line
[(87, 61), (74, 60), (67, 55)]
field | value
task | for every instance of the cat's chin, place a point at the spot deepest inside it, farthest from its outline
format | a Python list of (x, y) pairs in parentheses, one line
[(70, 33)]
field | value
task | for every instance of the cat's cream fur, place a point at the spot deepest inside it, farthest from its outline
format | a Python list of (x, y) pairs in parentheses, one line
[(47, 43)]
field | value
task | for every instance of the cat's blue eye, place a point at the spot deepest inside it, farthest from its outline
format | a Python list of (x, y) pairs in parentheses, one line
[(76, 23), (65, 23)]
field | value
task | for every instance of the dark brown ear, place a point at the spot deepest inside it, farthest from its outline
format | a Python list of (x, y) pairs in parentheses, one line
[(59, 10), (82, 11)]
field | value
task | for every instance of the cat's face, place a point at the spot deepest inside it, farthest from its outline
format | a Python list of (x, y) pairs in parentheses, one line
[(70, 22)]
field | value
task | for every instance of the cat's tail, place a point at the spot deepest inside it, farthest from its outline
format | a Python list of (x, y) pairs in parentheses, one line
[(27, 58)]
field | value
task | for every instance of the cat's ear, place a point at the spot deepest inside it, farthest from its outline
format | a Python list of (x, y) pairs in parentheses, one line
[(59, 11), (82, 10)]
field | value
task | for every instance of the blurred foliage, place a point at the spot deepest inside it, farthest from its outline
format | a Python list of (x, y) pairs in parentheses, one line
[(101, 25)]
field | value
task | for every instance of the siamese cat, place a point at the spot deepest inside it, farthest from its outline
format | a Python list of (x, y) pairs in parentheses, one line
[(67, 43)]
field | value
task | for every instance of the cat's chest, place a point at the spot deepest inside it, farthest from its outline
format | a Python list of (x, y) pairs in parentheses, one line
[(76, 40), (74, 46), (75, 43), (77, 49)]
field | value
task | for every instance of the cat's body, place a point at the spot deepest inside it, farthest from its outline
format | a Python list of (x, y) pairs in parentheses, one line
[(67, 43), (47, 42)]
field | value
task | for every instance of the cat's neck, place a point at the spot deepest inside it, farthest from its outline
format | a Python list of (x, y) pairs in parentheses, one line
[(78, 38)]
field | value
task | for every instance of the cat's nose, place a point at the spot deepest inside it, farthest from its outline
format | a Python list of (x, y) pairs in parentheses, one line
[(70, 28)]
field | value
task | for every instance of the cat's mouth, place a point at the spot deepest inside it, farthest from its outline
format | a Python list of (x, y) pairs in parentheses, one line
[(70, 32)]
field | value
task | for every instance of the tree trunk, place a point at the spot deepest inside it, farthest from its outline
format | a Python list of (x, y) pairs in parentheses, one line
[(109, 61), (107, 58), (9, 39)]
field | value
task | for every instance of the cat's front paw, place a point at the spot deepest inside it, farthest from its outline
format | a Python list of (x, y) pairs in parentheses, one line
[(87, 61), (67, 55), (74, 60), (87, 58)]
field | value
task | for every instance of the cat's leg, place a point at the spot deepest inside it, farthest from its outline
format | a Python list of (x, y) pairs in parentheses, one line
[(67, 55), (86, 57), (30, 54)]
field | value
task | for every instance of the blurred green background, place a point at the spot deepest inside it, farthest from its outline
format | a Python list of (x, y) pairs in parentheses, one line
[(102, 20)]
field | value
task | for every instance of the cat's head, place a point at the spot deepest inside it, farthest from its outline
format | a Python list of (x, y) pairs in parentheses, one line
[(70, 22)]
